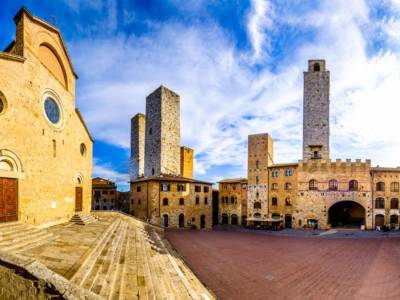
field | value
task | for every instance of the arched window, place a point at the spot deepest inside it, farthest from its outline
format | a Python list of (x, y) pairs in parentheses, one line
[(288, 201), (380, 186), (181, 201), (257, 205), (274, 201), (394, 203), (353, 185), (317, 67), (232, 199), (257, 163), (197, 200), (394, 187), (165, 202), (380, 203), (333, 185), (313, 185)]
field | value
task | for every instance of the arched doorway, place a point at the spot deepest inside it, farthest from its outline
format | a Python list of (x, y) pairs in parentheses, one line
[(379, 221), (165, 220), (234, 219), (181, 220), (203, 221), (288, 221), (346, 214), (394, 221), (225, 219)]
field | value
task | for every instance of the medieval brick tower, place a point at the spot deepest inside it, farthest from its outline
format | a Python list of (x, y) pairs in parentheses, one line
[(260, 157), (138, 130), (316, 111), (162, 138)]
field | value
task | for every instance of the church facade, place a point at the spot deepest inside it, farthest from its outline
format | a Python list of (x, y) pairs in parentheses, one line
[(45, 146)]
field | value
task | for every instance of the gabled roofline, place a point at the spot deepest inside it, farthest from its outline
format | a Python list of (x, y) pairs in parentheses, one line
[(84, 124), (48, 26)]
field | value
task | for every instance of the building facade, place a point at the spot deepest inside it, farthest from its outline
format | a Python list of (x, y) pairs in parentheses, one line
[(45, 146), (167, 195), (104, 194), (260, 157), (232, 201), (317, 192)]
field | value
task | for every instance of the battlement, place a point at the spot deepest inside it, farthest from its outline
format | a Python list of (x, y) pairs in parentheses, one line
[(338, 164)]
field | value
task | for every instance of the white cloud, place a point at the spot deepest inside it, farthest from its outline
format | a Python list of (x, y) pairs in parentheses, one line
[(259, 21), (106, 171), (223, 99)]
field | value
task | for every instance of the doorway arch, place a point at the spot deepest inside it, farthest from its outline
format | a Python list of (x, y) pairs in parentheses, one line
[(346, 214), (165, 220), (203, 221), (379, 220), (181, 220), (225, 219), (234, 219)]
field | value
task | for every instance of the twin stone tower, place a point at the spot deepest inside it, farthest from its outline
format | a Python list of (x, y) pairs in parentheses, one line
[(155, 139)]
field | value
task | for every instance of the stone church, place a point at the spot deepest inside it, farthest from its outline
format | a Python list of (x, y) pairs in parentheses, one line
[(315, 192), (45, 146)]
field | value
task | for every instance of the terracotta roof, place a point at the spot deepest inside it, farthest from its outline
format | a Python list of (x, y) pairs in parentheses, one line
[(170, 178), (232, 180)]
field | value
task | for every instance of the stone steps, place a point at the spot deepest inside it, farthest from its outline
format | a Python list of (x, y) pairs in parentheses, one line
[(131, 261), (18, 237), (83, 218)]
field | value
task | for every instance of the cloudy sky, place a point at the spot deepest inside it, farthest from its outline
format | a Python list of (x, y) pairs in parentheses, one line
[(238, 67)]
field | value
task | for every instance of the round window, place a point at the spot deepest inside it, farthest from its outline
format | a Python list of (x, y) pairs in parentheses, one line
[(1, 105), (83, 149), (52, 110)]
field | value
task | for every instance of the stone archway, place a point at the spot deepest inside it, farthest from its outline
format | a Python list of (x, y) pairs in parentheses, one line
[(346, 214)]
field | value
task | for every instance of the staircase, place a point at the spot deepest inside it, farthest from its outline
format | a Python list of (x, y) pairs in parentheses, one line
[(81, 218), (131, 261), (17, 237)]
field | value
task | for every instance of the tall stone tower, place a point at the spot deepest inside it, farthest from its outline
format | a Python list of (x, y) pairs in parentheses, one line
[(187, 156), (316, 111), (162, 139), (260, 157), (138, 129)]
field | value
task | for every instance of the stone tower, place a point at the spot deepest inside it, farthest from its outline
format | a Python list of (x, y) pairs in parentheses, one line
[(316, 111), (187, 156), (138, 129), (162, 138), (260, 157)]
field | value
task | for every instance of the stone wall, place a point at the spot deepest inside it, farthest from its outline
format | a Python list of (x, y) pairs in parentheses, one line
[(162, 145), (260, 157), (46, 157), (388, 176), (235, 191), (283, 186), (315, 204), (147, 202), (316, 111), (138, 130), (25, 278)]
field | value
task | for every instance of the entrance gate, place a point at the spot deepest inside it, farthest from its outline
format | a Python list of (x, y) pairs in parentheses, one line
[(8, 200), (347, 214)]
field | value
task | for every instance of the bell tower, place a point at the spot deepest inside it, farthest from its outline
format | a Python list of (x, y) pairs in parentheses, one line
[(316, 111)]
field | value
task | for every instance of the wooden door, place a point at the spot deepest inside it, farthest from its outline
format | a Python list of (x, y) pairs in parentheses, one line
[(379, 220), (8, 200), (78, 198)]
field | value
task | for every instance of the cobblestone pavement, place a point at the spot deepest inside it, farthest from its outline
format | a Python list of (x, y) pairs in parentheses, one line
[(265, 265)]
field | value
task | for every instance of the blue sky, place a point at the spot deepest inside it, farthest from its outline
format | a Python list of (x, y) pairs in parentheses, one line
[(238, 67)]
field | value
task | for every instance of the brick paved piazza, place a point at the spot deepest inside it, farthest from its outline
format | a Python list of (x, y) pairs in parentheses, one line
[(250, 265)]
